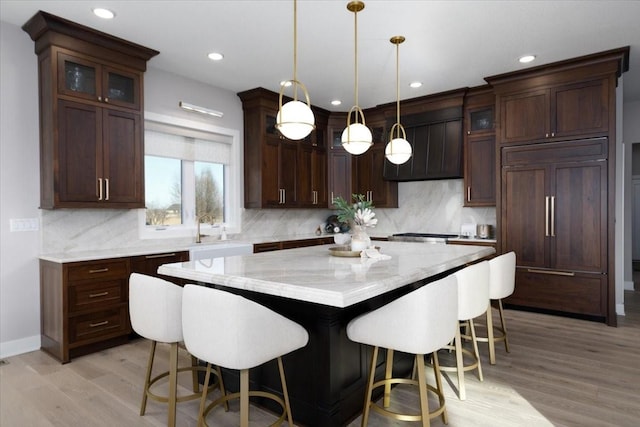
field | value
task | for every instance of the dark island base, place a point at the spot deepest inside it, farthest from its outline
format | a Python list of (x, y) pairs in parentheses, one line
[(327, 378)]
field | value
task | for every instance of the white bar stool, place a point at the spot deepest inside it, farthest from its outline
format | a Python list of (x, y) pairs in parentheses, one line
[(419, 323), (155, 308), (473, 297), (235, 333), (502, 282)]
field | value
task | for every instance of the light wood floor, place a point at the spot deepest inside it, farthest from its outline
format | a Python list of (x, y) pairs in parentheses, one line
[(560, 372)]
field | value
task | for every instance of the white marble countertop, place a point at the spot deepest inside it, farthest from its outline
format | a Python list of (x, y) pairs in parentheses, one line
[(311, 274)]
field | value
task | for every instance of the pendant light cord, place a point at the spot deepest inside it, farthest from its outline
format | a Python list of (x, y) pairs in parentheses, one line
[(355, 19), (295, 49), (397, 89)]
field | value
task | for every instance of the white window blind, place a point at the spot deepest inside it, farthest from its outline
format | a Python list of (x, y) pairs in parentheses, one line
[(179, 143)]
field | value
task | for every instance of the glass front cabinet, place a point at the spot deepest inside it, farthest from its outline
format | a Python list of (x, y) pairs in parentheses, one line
[(81, 77)]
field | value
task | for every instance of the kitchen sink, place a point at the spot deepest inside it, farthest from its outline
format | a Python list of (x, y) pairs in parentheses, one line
[(219, 249)]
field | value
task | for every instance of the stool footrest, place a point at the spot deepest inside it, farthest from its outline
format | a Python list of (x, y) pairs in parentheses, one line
[(191, 396), (407, 417), (254, 393)]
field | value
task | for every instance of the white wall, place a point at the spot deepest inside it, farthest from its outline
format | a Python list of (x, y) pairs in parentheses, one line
[(631, 135), (20, 192)]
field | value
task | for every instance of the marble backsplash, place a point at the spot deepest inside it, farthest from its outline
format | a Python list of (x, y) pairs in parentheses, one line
[(425, 206)]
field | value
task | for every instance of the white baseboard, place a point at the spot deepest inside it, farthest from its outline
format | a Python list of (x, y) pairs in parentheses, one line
[(15, 347), (628, 285), (620, 309)]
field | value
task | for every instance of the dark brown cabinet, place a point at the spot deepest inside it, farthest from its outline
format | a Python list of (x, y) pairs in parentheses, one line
[(368, 169), (102, 152), (148, 264), (556, 203), (278, 172), (91, 116), (479, 148), (556, 112), (339, 161), (84, 306)]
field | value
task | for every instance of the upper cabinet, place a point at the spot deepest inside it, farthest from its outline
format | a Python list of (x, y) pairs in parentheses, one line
[(91, 115), (479, 147), (433, 125), (278, 172), (80, 77), (555, 105)]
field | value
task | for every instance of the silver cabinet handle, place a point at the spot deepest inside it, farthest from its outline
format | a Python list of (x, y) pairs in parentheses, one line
[(469, 194), (99, 294), (284, 196), (99, 188), (95, 325), (106, 100), (99, 270), (551, 272), (553, 216), (160, 255), (546, 216), (100, 99), (106, 185), (546, 135)]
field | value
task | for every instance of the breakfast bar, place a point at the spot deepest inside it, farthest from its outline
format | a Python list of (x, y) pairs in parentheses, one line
[(323, 292)]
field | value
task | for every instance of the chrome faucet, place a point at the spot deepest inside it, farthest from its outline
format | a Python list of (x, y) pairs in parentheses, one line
[(199, 219)]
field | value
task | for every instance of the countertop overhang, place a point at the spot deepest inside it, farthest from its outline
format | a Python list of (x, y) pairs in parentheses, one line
[(313, 275)]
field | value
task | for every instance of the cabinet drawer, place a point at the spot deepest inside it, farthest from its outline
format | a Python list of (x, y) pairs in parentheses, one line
[(579, 294), (110, 269), (99, 325), (95, 295)]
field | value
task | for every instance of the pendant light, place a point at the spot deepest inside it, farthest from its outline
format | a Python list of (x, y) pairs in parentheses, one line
[(356, 137), (295, 119), (398, 150)]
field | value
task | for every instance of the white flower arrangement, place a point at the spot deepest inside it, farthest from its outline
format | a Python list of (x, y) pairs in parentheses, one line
[(359, 213)]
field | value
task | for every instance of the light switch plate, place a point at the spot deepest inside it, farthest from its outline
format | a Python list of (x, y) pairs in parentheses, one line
[(24, 224)]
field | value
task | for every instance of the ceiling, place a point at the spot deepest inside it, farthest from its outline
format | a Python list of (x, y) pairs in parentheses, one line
[(449, 44)]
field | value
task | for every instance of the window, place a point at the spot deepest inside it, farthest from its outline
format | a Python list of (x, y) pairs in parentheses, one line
[(191, 173), (165, 178)]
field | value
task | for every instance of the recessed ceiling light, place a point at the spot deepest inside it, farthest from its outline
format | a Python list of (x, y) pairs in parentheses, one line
[(103, 13), (336, 102), (526, 58), (215, 56), (286, 83), (415, 84)]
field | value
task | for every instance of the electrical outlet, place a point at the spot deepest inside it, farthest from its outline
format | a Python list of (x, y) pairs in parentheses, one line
[(24, 224)]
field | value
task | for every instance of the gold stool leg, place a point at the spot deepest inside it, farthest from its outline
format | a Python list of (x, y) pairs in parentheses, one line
[(490, 337), (173, 383), (367, 397), (285, 392), (388, 373), (422, 388), (223, 392), (436, 372), (204, 396), (152, 352), (194, 374), (244, 398), (504, 326), (460, 365), (475, 348)]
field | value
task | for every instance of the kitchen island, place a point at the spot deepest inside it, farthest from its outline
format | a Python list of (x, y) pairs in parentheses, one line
[(326, 379)]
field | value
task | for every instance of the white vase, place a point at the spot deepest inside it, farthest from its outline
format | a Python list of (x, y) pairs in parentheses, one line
[(360, 240)]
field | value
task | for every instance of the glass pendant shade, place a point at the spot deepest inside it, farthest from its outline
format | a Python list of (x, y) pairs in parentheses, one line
[(356, 138), (295, 120), (398, 151)]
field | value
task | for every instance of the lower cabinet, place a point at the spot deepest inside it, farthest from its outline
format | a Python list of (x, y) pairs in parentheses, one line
[(85, 305), (148, 264)]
